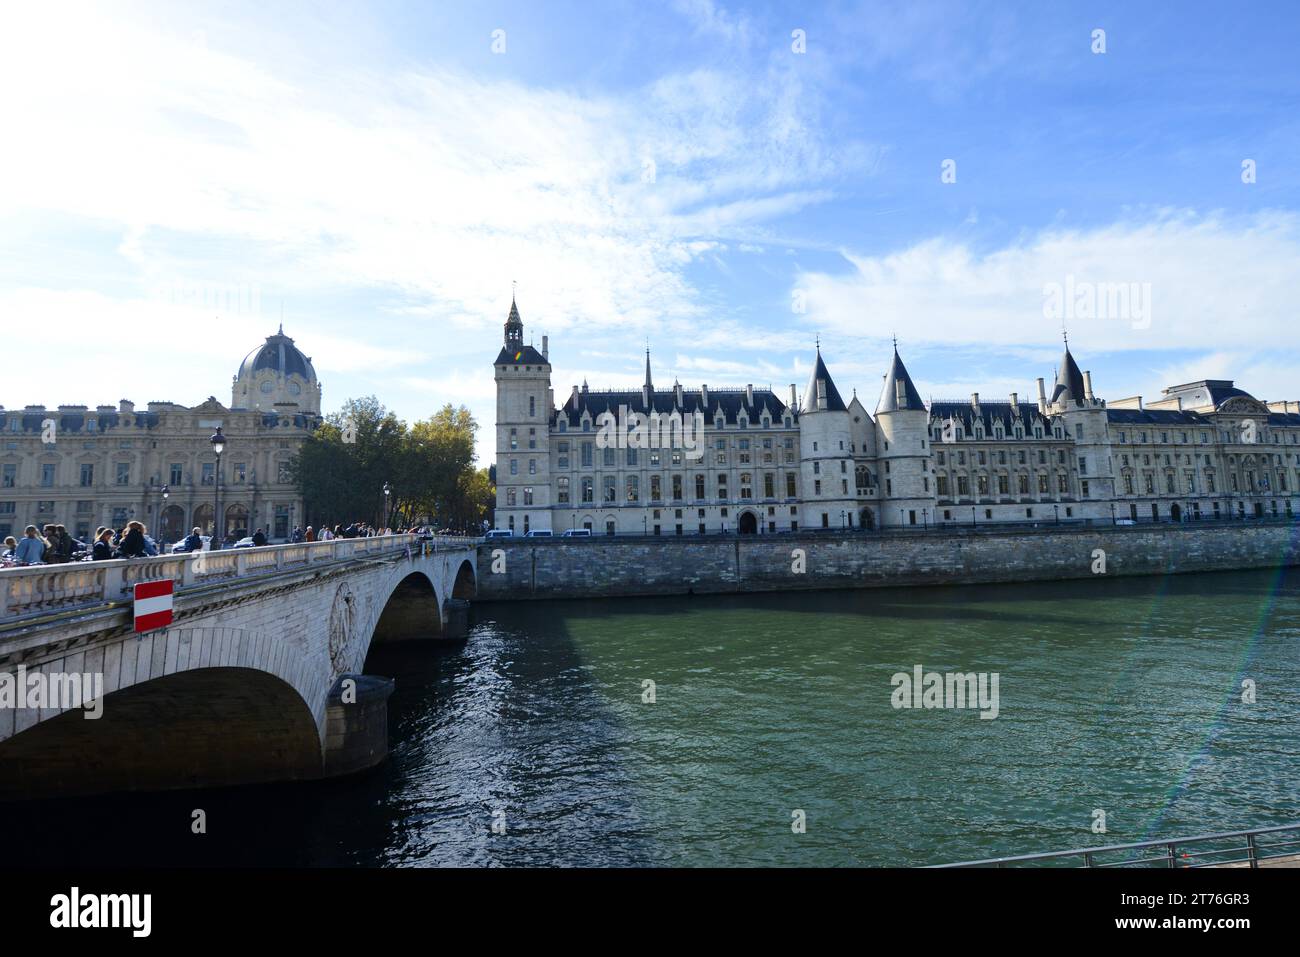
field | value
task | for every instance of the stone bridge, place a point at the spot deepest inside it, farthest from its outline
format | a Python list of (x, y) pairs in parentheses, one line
[(259, 677)]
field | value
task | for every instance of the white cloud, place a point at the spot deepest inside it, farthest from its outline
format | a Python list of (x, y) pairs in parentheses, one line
[(1212, 279)]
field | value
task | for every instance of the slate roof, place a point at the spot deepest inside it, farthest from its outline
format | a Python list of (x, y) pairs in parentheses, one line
[(1155, 417), (889, 394), (834, 403), (990, 413), (1069, 380), (75, 422), (1206, 393), (524, 355), (731, 401), (280, 354)]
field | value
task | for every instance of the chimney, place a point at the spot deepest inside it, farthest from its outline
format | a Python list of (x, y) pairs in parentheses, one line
[(1042, 397), (545, 352), (704, 397), (126, 405), (1015, 402), (677, 394), (794, 397), (1087, 386), (900, 393), (975, 401), (575, 395), (645, 396), (821, 394), (749, 394)]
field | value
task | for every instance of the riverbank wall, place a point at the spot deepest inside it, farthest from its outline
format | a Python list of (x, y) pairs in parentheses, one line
[(606, 567)]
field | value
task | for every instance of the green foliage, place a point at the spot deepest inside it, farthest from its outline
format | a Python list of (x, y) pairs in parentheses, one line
[(428, 467)]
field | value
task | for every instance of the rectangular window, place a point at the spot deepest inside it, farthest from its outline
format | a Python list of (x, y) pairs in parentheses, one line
[(588, 490), (123, 473), (282, 473), (587, 454), (9, 476), (609, 489), (47, 475), (677, 488), (562, 489), (87, 474), (241, 472), (176, 473), (207, 475)]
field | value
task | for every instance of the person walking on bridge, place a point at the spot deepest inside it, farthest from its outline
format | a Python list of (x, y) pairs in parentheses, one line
[(31, 550)]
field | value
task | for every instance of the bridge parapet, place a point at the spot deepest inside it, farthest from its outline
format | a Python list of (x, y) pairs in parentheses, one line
[(34, 590)]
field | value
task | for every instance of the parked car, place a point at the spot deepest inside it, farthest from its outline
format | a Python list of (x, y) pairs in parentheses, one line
[(1125, 521), (540, 533), (500, 533), (246, 542), (576, 533), (179, 548)]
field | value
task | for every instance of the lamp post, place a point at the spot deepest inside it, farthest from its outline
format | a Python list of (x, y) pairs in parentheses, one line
[(387, 492), (161, 529), (218, 446), (1056, 510), (1113, 519)]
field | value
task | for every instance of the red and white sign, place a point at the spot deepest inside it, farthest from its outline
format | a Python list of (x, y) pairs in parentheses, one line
[(153, 605)]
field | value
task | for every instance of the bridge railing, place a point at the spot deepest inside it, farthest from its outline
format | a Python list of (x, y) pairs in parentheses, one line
[(31, 590), (1254, 848)]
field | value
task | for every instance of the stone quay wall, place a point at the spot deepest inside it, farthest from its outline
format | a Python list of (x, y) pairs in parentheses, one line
[(517, 569)]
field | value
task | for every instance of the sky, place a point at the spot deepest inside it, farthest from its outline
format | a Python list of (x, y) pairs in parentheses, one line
[(727, 183)]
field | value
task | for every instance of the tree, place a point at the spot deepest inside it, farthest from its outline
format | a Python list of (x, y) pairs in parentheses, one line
[(343, 467)]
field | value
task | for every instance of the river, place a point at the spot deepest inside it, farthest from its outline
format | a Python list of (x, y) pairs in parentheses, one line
[(534, 742)]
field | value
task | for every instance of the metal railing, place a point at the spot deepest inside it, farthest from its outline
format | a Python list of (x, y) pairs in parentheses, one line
[(32, 590), (1253, 848)]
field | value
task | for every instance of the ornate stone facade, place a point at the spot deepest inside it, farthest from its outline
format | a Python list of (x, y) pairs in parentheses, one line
[(82, 468), (1205, 450)]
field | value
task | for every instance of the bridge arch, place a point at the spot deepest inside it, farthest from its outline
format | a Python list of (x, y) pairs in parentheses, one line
[(412, 612), (465, 584), (206, 727)]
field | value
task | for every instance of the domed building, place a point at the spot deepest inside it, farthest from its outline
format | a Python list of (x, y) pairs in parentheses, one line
[(111, 464), (276, 377)]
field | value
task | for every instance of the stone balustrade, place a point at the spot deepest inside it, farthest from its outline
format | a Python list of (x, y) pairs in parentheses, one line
[(32, 590)]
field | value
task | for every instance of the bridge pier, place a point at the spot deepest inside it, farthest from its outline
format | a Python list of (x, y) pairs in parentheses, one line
[(356, 724)]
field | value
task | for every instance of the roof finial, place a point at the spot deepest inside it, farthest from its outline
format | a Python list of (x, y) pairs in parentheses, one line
[(513, 283), (895, 342), (1065, 334), (818, 340)]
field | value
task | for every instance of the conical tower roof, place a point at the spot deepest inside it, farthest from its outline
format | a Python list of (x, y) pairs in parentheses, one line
[(833, 401), (889, 398)]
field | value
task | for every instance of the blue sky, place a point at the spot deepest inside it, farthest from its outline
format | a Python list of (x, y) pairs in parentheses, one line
[(176, 175)]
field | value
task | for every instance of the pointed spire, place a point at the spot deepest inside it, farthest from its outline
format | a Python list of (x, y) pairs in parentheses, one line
[(832, 401), (514, 326), (899, 392), (649, 383)]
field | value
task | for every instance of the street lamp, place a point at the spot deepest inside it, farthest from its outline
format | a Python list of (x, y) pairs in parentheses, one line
[(218, 446), (387, 491), (1056, 510), (160, 531)]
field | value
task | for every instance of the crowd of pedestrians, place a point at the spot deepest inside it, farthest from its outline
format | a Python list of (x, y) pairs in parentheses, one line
[(54, 545)]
